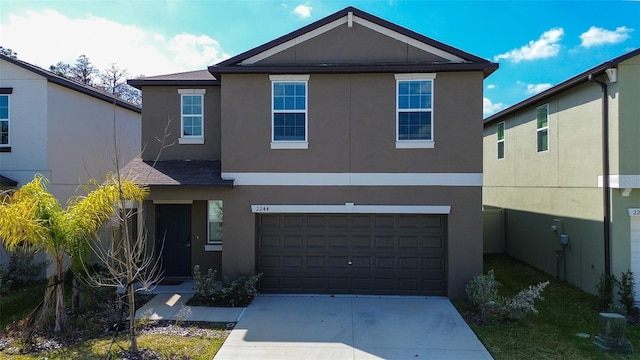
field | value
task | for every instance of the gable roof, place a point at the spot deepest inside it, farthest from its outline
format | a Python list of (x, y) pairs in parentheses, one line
[(568, 84), (71, 84), (189, 78), (248, 62)]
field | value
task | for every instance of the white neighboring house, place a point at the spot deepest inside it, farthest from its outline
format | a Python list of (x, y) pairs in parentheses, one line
[(62, 129)]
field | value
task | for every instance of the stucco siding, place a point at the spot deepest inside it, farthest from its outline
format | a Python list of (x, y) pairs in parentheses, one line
[(81, 137), (28, 116), (628, 100), (351, 126), (464, 246), (161, 128), (358, 44)]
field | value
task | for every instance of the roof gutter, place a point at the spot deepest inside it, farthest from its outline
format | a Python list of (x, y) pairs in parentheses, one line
[(606, 191)]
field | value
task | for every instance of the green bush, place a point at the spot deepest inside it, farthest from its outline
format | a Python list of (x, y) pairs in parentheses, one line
[(20, 268), (205, 286), (626, 291), (482, 291), (483, 295), (605, 291), (210, 292)]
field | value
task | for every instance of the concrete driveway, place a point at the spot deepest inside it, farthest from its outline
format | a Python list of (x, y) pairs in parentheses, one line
[(351, 327)]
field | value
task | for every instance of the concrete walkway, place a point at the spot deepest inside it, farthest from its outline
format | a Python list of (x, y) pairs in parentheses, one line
[(172, 307), (351, 327)]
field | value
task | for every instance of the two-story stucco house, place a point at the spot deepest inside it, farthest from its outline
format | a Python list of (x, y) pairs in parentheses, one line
[(344, 157), (61, 129), (567, 162)]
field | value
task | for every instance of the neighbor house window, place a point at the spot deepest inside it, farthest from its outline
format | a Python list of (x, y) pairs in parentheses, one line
[(289, 111), (215, 222), (414, 110), (543, 127), (501, 140), (4, 119), (192, 116)]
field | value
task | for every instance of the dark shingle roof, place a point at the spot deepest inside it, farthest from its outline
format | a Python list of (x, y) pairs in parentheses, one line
[(194, 78), (7, 182), (71, 84), (175, 172)]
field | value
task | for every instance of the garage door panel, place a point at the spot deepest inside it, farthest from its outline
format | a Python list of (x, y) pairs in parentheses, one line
[(293, 241), (269, 262), (338, 241), (352, 253), (315, 261), (361, 242), (432, 264), (433, 242), (269, 241), (409, 242), (292, 262)]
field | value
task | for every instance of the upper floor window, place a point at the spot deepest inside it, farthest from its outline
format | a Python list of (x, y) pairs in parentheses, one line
[(414, 110), (289, 111), (215, 222), (4, 120), (501, 140), (542, 114), (191, 116)]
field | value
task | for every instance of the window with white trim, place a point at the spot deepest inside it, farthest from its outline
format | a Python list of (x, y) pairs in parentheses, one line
[(542, 132), (215, 222), (289, 117), (500, 134), (191, 116), (414, 110), (4, 120)]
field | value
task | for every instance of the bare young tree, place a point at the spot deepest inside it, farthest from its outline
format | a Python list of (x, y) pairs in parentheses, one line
[(114, 81), (83, 70), (61, 69), (8, 52)]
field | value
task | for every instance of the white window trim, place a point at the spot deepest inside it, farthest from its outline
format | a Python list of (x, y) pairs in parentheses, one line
[(191, 139), (538, 130), (304, 144), (501, 140), (415, 144), (8, 120)]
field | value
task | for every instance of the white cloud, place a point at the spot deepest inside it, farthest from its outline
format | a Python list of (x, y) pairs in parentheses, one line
[(546, 46), (533, 89), (304, 11), (598, 36), (103, 41), (489, 108), (491, 86)]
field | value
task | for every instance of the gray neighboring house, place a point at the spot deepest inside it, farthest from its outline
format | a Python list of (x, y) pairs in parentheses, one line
[(344, 157), (61, 129), (570, 194)]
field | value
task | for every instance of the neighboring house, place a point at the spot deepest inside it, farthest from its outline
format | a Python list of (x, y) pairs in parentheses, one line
[(344, 157), (61, 129), (543, 164)]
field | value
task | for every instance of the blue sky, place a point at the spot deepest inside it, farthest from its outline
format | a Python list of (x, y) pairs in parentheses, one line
[(537, 43)]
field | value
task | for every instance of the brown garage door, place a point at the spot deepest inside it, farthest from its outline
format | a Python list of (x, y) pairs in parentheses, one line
[(400, 254)]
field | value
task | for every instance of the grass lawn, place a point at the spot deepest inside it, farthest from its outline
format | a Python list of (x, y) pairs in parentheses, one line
[(186, 341), (551, 334)]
